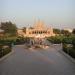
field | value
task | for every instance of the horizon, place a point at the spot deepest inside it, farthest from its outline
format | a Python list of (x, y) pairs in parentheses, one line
[(54, 13), (31, 25)]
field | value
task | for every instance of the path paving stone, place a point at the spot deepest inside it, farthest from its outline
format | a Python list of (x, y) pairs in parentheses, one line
[(36, 62)]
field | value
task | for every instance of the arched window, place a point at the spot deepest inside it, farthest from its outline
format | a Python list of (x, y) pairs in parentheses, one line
[(35, 32), (40, 32)]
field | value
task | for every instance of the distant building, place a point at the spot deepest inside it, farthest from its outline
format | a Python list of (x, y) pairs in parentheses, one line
[(39, 30), (69, 30), (20, 32), (1, 32)]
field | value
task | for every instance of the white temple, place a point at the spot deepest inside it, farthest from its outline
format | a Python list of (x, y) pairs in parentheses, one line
[(39, 30)]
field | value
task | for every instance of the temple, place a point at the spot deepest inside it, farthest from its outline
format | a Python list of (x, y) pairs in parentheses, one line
[(39, 30)]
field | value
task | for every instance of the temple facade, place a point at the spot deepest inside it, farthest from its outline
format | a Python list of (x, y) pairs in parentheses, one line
[(39, 30)]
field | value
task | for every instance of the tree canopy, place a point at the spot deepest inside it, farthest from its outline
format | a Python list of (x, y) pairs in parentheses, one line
[(73, 31), (56, 31), (65, 32), (9, 28)]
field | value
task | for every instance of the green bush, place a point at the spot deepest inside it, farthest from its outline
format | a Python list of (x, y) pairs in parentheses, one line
[(1, 50), (67, 40), (55, 40), (72, 52), (64, 48), (73, 42), (6, 42), (4, 51), (19, 40), (69, 50)]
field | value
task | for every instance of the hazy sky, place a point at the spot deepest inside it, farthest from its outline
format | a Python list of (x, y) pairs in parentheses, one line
[(55, 13)]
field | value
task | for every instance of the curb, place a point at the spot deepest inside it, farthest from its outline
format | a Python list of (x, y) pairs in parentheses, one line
[(68, 56), (4, 57)]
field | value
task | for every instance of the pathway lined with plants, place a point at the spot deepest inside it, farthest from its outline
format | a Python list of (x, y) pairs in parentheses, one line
[(36, 62)]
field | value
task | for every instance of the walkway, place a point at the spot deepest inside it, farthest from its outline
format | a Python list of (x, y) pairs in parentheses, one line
[(36, 62)]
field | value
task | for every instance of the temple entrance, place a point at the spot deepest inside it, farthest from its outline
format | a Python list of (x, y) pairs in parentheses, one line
[(38, 42)]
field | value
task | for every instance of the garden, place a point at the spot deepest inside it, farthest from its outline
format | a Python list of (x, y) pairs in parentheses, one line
[(7, 43), (68, 43)]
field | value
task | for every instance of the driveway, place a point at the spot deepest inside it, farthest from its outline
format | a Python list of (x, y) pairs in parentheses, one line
[(37, 62)]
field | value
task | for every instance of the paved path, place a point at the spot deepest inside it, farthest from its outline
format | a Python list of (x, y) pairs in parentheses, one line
[(36, 62)]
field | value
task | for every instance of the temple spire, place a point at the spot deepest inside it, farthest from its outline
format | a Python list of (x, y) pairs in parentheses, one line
[(39, 24)]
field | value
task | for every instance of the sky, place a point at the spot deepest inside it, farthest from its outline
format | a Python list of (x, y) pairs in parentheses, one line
[(54, 13)]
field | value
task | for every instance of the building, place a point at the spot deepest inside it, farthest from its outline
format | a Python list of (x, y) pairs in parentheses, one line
[(1, 32), (39, 30), (20, 32), (69, 30)]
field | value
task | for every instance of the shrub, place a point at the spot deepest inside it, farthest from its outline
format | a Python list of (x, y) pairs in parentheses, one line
[(55, 40), (67, 40), (73, 42), (5, 47), (19, 40), (72, 52), (69, 50), (6, 50), (0, 50), (64, 48)]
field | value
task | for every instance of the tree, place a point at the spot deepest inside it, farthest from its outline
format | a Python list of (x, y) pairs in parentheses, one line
[(56, 31), (73, 31), (9, 28), (65, 32)]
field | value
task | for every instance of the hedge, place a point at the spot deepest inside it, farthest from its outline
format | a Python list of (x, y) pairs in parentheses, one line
[(69, 50), (4, 51)]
